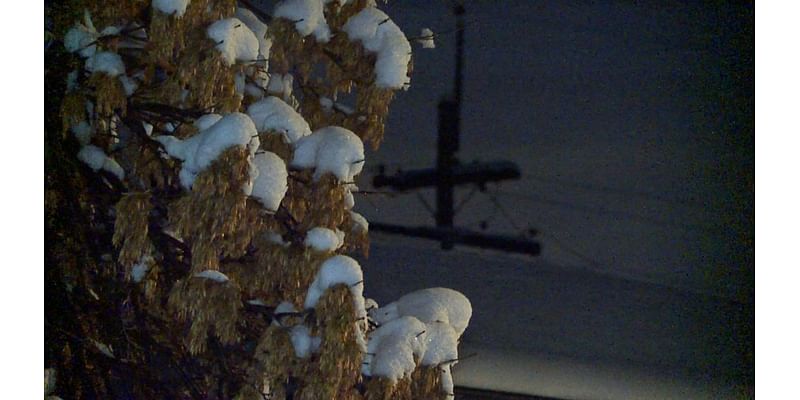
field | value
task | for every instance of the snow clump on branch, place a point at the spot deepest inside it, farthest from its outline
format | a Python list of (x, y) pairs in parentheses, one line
[(235, 41), (273, 114), (380, 35), (170, 7), (332, 150), (198, 151), (308, 17)]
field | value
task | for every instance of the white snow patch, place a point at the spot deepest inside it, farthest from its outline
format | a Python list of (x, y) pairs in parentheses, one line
[(429, 305), (323, 239), (273, 114), (148, 128), (97, 159), (129, 84), (336, 270), (105, 62), (284, 308), (200, 150), (392, 348), (441, 344), (140, 269), (259, 29), (80, 39), (270, 185), (308, 17), (170, 7), (426, 39), (206, 121), (234, 40), (447, 379), (304, 344), (276, 238), (213, 275), (359, 221), (281, 84), (256, 302), (82, 132), (333, 150), (380, 35), (72, 80)]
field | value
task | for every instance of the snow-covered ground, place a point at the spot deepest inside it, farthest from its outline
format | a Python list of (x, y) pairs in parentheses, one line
[(549, 330)]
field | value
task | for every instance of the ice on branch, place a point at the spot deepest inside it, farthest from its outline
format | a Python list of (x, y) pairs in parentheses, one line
[(270, 184), (273, 114), (380, 35), (323, 239), (332, 150), (170, 7), (97, 159), (235, 41), (307, 15), (429, 305), (198, 151), (106, 62), (393, 348)]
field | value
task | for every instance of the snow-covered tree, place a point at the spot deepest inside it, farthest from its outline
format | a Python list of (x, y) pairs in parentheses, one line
[(201, 160)]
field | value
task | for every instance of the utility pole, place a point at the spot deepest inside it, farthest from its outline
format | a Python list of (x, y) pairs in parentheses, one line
[(449, 173)]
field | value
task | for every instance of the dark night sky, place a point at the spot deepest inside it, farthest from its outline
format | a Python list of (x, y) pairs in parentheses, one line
[(632, 122)]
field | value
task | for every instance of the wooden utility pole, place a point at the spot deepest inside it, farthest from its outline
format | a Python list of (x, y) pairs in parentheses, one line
[(449, 173)]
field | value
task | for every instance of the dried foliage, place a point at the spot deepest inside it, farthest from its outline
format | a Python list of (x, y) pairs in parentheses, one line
[(173, 334)]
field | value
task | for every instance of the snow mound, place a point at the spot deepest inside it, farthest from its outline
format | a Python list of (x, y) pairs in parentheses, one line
[(234, 40), (170, 7), (308, 17), (380, 35), (393, 347), (106, 62), (333, 150), (198, 151), (323, 239), (97, 159), (429, 305), (272, 113), (270, 184)]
